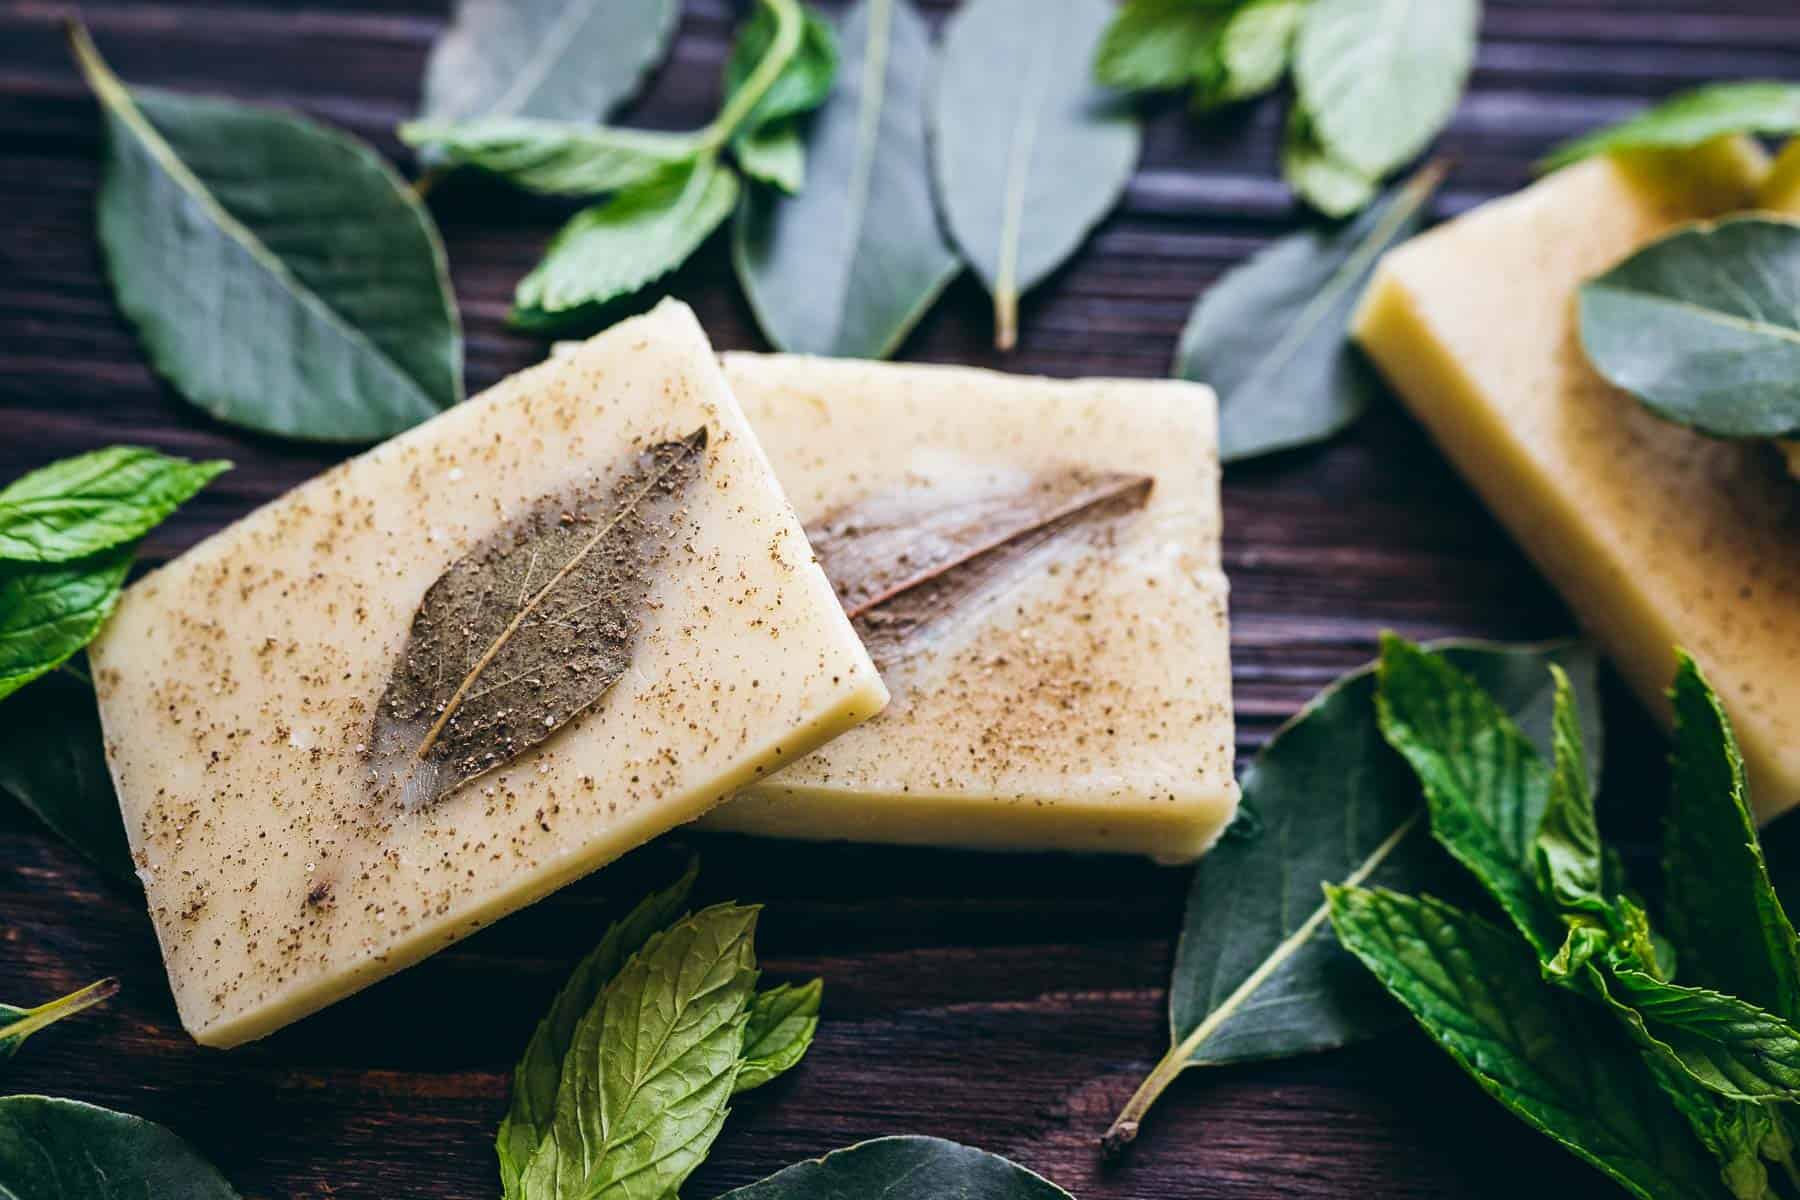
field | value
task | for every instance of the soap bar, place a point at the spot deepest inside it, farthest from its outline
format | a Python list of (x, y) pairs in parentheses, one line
[(1078, 696), (1656, 536), (241, 686)]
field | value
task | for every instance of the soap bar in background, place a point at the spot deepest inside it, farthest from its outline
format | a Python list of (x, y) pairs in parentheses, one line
[(1656, 536), (1080, 699), (240, 685)]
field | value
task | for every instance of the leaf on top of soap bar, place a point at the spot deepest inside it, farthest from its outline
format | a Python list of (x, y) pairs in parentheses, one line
[(529, 629), (1028, 153), (1272, 982), (99, 1155), (1693, 117), (902, 561), (570, 60), (847, 267), (903, 1168), (281, 275), (1272, 339), (17, 1024), (1703, 326)]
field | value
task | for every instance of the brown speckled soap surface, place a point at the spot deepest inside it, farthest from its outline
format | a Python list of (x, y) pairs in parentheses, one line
[(239, 684)]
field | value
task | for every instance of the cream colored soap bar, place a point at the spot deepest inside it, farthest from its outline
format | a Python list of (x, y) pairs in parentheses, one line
[(239, 686), (1656, 536), (1082, 701)]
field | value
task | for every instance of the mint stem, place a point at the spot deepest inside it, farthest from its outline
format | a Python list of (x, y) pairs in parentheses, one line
[(788, 26), (48, 1014)]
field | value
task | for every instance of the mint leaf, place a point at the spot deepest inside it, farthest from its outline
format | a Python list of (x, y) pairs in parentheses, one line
[(1547, 1056), (782, 1023), (1153, 45), (49, 611), (903, 1168), (17, 1024), (1691, 118), (1484, 783), (775, 155), (1727, 1045), (805, 79), (538, 1077), (652, 1066), (556, 158), (1567, 851), (1252, 52), (95, 501), (1318, 176)]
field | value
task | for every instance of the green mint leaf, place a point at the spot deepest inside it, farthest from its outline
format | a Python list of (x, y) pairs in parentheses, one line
[(1691, 118), (805, 79), (1734, 1131), (903, 1168), (1549, 1057), (870, 167), (1322, 179), (782, 1023), (1381, 77), (49, 611), (566, 60), (1725, 1044), (538, 1077), (280, 274), (1153, 45), (556, 158), (17, 1024), (652, 1066), (1253, 51), (1718, 901), (95, 501), (1271, 335), (1028, 153), (774, 154), (1485, 784), (1703, 326), (1567, 851), (1272, 982), (98, 1155), (53, 761), (613, 249)]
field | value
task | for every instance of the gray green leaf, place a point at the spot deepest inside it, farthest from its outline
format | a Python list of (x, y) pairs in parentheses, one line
[(1027, 153), (53, 761), (1271, 336), (49, 611), (1322, 179), (849, 266), (1703, 326), (782, 1023), (95, 501), (1476, 991), (1152, 45), (567, 60), (1380, 77), (902, 1168), (280, 274), (64, 1150), (559, 158), (611, 250), (17, 1024), (538, 1077), (652, 1066), (1693, 117)]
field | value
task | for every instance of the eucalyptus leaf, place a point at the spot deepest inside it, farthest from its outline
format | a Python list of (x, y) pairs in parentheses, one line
[(558, 158), (17, 1024), (903, 1168), (1152, 45), (1272, 338), (1690, 119), (53, 761), (1703, 326), (280, 274), (49, 611), (611, 250), (64, 1150), (95, 501), (783, 1021), (1258, 974), (1028, 155), (849, 266), (1551, 1059), (1322, 179), (569, 60), (1379, 78), (529, 629)]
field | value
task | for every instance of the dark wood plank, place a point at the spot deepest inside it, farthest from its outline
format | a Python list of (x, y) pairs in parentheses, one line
[(1010, 1002)]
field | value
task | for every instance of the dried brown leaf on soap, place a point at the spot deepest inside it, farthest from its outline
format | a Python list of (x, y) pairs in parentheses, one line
[(902, 561), (529, 629)]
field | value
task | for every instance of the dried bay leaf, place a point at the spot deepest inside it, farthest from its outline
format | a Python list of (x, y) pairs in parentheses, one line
[(528, 630), (902, 561)]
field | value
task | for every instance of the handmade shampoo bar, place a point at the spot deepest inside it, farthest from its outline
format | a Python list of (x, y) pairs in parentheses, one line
[(1076, 695), (242, 685), (1656, 536)]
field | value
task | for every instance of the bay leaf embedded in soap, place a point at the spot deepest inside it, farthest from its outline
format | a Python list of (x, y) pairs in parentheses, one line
[(1703, 326), (528, 630), (848, 266), (1027, 151), (903, 1168), (902, 561)]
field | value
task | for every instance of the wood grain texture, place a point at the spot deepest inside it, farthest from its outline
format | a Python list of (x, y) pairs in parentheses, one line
[(1010, 1002)]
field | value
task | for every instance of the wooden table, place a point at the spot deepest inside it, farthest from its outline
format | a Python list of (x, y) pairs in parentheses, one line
[(1009, 1002)]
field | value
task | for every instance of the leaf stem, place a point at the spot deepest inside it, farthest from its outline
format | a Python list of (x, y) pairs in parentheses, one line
[(48, 1014), (788, 26)]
